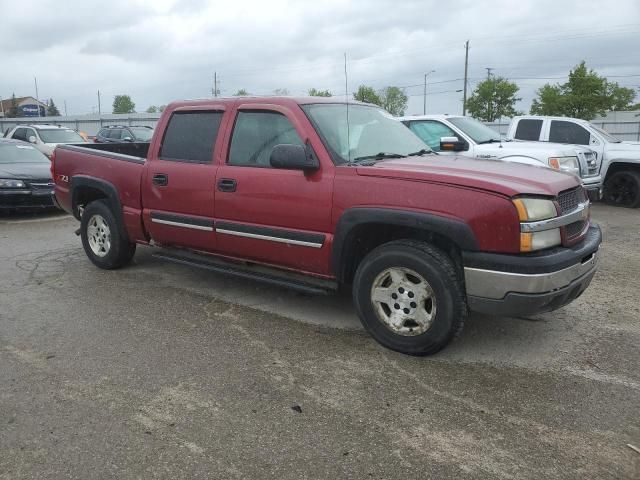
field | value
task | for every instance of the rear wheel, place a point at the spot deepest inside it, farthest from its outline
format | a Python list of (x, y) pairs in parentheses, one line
[(102, 239), (409, 297), (623, 189)]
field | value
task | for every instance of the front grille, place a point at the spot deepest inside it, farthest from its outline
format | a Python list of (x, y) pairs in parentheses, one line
[(570, 199), (574, 229)]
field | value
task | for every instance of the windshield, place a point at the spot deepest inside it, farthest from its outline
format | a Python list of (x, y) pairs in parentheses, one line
[(60, 136), (478, 131), (607, 136), (142, 134), (371, 131), (16, 153)]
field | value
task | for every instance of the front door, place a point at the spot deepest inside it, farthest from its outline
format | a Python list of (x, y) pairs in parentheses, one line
[(179, 183), (273, 216)]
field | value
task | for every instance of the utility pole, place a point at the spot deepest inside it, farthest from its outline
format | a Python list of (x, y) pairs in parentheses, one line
[(99, 109), (35, 80), (424, 107), (65, 108), (215, 84), (2, 105), (488, 69), (466, 70)]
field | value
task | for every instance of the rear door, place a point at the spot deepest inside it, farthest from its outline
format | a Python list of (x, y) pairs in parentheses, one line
[(179, 181), (273, 216)]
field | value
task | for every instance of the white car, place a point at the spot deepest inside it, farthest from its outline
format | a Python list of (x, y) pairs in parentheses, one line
[(466, 136), (45, 137), (620, 160)]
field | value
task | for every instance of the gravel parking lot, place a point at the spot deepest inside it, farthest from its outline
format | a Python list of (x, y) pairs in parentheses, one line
[(160, 371)]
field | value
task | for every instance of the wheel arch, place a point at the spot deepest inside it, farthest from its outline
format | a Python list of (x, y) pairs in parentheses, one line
[(86, 189), (360, 230), (615, 166)]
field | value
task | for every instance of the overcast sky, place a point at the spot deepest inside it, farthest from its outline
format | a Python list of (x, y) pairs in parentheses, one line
[(162, 50)]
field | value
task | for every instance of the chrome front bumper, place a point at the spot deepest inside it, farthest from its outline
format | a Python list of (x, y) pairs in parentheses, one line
[(517, 285)]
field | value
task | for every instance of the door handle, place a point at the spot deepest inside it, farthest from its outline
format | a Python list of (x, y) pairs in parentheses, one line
[(160, 179), (227, 185)]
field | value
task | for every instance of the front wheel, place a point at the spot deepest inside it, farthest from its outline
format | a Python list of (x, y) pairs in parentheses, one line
[(409, 297), (101, 238), (623, 189)]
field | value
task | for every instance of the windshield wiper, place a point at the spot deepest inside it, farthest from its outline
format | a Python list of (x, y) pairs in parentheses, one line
[(377, 156), (491, 140), (419, 153)]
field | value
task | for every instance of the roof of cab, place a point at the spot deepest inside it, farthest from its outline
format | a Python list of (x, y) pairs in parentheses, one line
[(284, 101)]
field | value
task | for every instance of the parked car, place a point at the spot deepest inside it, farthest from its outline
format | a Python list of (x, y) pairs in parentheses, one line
[(25, 177), (120, 133), (298, 193), (620, 161), (458, 135), (45, 137)]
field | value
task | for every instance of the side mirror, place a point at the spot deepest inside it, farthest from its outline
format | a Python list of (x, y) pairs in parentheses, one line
[(32, 139), (293, 157), (128, 139), (452, 144)]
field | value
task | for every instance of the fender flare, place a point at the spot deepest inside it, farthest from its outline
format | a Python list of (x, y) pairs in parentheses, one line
[(457, 231), (107, 188)]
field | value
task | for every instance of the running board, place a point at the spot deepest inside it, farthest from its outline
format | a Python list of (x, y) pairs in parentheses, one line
[(291, 280)]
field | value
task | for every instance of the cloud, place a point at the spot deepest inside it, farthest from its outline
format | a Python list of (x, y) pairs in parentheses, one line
[(162, 50)]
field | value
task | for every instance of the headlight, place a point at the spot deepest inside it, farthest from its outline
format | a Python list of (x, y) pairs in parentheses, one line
[(9, 183), (530, 242), (534, 209), (565, 164)]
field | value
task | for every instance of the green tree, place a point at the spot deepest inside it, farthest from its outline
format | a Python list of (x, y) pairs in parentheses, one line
[(123, 104), (161, 108), (152, 109), (493, 98), (52, 110), (585, 95), (367, 95), (241, 93), (394, 101), (313, 92), (13, 109), (282, 92)]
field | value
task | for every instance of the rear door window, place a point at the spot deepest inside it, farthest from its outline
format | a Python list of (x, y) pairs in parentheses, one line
[(568, 132), (256, 133), (191, 137), (529, 129), (430, 132)]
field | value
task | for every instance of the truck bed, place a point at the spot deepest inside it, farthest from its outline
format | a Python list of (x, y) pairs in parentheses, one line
[(118, 165)]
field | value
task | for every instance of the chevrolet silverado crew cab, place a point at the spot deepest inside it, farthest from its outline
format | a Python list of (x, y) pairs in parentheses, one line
[(457, 135), (620, 160), (315, 194)]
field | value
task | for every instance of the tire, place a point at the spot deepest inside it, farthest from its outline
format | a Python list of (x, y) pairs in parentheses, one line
[(623, 189), (102, 239), (421, 327)]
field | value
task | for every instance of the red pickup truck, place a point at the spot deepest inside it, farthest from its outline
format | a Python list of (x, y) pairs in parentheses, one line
[(315, 194)]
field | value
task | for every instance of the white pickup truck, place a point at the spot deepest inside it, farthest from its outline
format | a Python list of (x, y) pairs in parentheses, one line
[(467, 136), (620, 160)]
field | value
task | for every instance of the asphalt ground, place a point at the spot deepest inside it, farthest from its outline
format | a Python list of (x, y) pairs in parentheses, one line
[(161, 371)]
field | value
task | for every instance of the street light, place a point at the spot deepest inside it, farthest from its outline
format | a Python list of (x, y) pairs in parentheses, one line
[(424, 108)]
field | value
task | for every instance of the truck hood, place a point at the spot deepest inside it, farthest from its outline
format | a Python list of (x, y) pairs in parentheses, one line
[(540, 148), (497, 176)]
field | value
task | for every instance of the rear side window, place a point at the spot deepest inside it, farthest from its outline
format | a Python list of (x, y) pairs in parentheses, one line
[(113, 133), (190, 137), (568, 132), (256, 133), (528, 130), (103, 133)]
